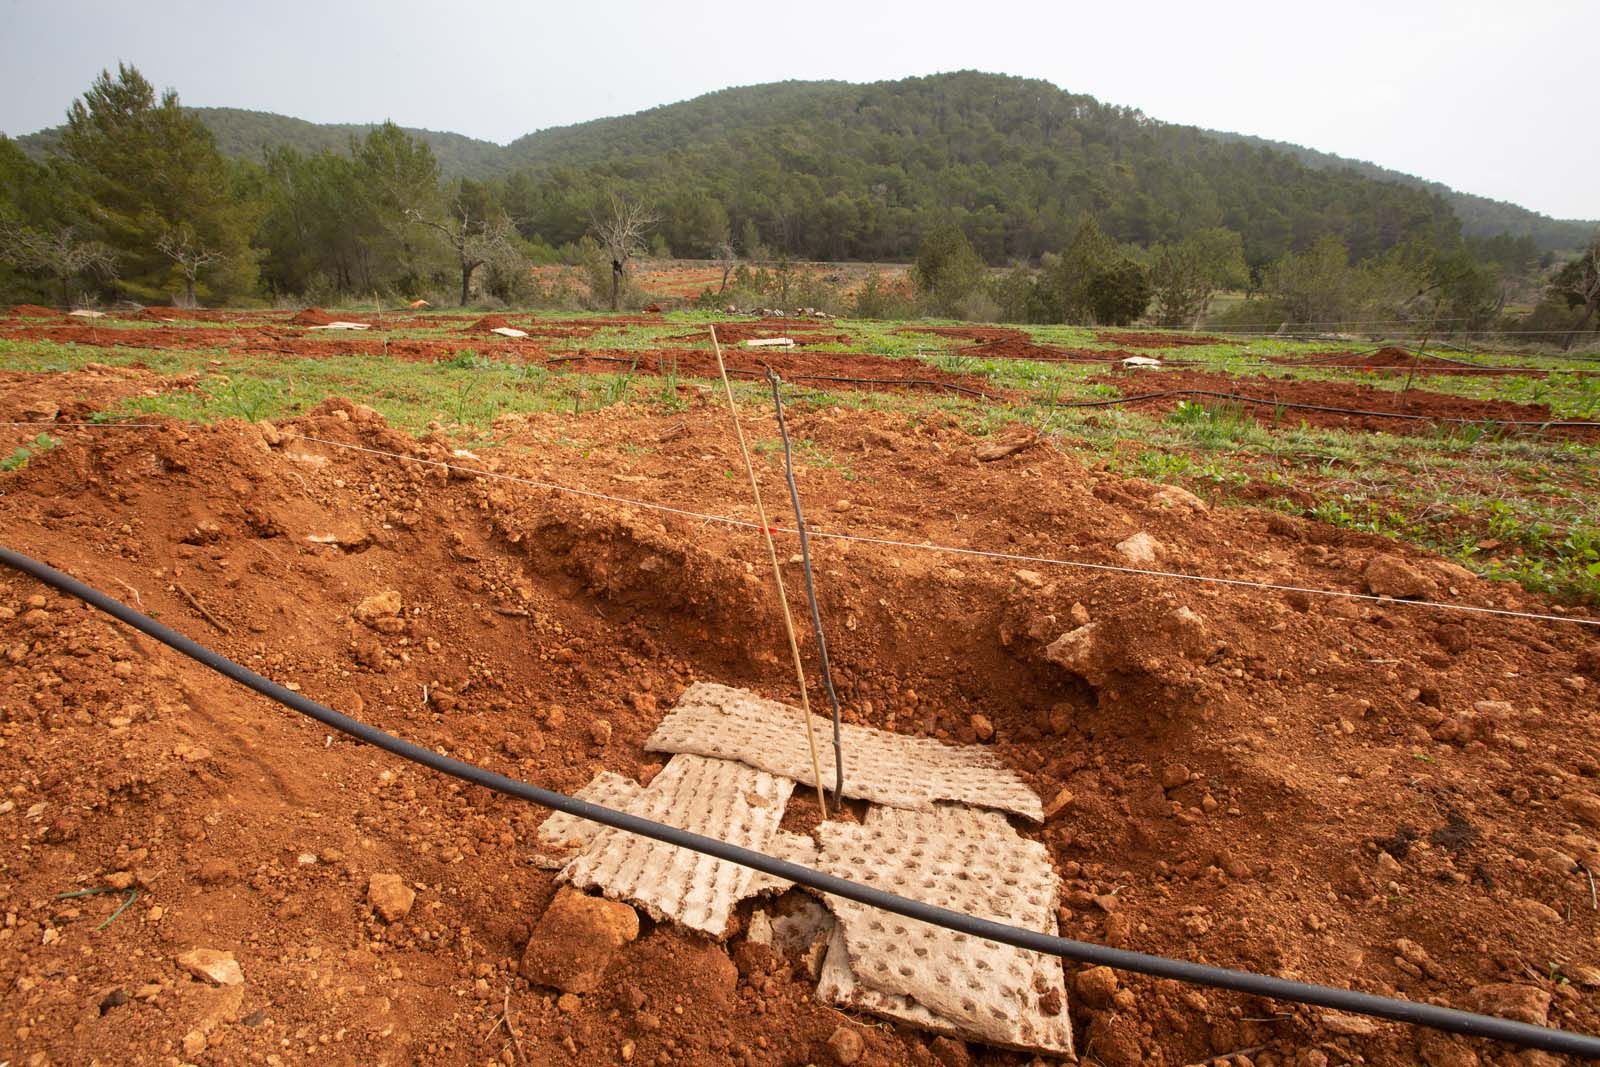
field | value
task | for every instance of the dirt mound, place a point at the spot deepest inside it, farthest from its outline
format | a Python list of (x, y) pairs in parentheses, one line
[(34, 311), (825, 370), (488, 323), (169, 314), (803, 332), (970, 333), (1359, 406), (1400, 360), (1334, 789), (1019, 348), (312, 317), (1155, 340)]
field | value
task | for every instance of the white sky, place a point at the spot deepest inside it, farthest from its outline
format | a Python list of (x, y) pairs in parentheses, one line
[(1490, 97)]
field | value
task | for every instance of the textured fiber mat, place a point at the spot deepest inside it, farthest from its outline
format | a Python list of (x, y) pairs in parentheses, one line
[(893, 769), (966, 860), (562, 835), (719, 798)]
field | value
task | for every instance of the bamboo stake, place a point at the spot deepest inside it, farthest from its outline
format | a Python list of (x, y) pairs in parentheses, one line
[(777, 573)]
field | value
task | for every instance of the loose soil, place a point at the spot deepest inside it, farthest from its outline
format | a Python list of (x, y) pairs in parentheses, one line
[(1400, 361), (846, 370), (34, 311), (1157, 340), (803, 332), (311, 317), (489, 323), (1415, 402), (1361, 794), (971, 333)]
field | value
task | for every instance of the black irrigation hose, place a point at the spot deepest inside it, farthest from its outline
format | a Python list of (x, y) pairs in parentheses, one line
[(811, 589), (1261, 985)]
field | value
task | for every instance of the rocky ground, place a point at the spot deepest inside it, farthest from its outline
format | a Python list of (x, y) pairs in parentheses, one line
[(1355, 792)]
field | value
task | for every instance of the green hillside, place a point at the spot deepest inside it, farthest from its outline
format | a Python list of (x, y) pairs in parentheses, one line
[(1480, 216), (831, 170)]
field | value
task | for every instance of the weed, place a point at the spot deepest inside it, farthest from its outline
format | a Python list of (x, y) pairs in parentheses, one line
[(19, 458)]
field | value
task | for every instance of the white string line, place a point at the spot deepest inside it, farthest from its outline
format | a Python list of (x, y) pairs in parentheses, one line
[(924, 546)]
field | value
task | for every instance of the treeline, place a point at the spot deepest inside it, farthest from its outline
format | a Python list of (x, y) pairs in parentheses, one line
[(1103, 215)]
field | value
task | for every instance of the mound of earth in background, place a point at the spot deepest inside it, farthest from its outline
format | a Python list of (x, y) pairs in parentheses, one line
[(312, 316), (1330, 788)]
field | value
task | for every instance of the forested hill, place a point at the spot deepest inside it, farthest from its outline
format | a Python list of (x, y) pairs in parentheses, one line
[(831, 170), (1480, 216)]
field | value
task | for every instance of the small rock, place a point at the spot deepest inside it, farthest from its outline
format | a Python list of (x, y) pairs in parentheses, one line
[(1062, 800), (1031, 579), (575, 939), (1140, 548), (1078, 614), (390, 897), (1513, 1000), (982, 728), (217, 871), (194, 1043), (569, 1003), (1348, 1025), (846, 1046), (40, 411), (219, 968), (1174, 775), (120, 880), (1585, 807), (378, 606), (1453, 638), (600, 731), (1174, 496), (1391, 576), (1096, 986)]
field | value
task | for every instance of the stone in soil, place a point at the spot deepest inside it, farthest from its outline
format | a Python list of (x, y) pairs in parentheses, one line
[(1393, 577), (846, 1046), (575, 940), (390, 897), (219, 968)]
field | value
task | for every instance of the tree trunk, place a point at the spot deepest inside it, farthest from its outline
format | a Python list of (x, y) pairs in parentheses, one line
[(1582, 324), (466, 283), (616, 283)]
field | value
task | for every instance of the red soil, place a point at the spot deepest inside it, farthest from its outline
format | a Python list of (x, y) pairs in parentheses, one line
[(971, 333), (312, 317), (1330, 789), (1415, 402), (34, 311), (1155, 340), (1399, 360), (826, 370), (488, 323)]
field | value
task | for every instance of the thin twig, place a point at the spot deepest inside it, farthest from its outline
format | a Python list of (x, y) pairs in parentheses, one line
[(1225, 1056), (138, 601), (1594, 899), (811, 589), (201, 608), (777, 573)]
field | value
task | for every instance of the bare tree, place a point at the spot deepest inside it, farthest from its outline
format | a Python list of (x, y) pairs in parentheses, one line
[(60, 253), (727, 259), (620, 226), (191, 255), (474, 240)]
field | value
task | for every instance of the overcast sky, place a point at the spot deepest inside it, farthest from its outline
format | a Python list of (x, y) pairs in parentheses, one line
[(1487, 96)]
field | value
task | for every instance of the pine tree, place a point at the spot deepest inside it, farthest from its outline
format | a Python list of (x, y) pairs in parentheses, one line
[(153, 171)]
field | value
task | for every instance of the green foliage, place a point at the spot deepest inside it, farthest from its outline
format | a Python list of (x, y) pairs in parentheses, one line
[(22, 454), (879, 298), (1185, 276), (1071, 276), (1118, 293), (947, 269), (151, 169)]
